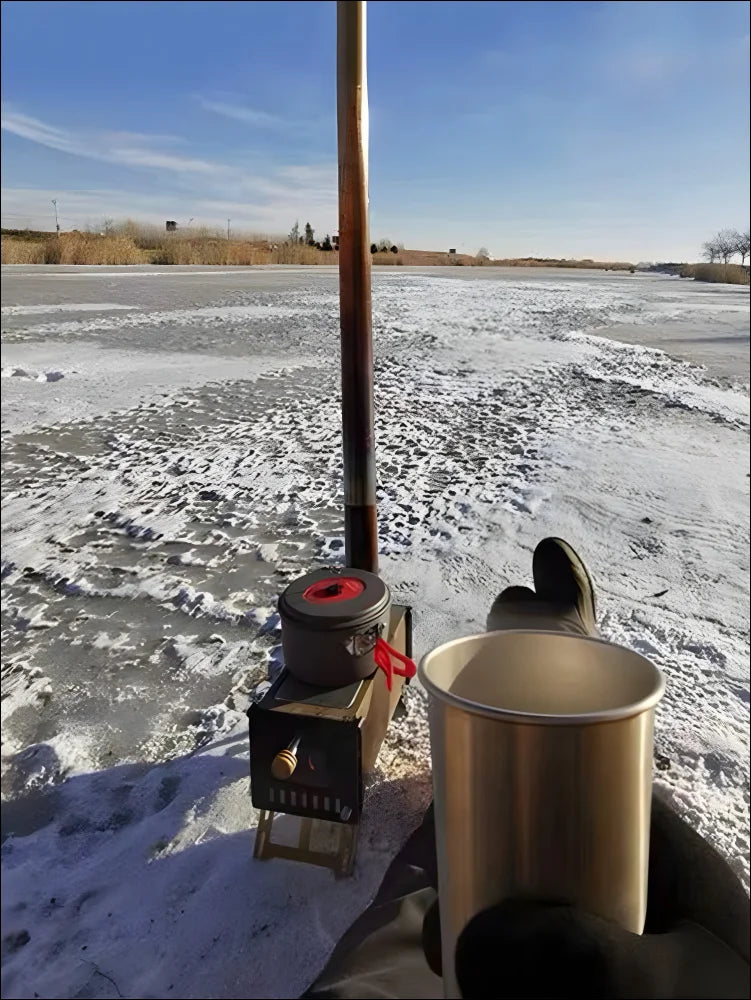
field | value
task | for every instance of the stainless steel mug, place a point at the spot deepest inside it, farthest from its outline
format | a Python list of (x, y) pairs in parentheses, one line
[(542, 774)]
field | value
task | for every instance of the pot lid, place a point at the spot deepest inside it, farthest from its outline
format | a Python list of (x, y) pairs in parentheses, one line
[(334, 597)]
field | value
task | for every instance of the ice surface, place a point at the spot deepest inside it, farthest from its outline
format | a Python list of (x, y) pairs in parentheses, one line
[(159, 496)]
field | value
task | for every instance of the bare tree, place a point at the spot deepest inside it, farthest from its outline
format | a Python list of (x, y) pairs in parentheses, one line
[(726, 242), (483, 254), (743, 245), (709, 251)]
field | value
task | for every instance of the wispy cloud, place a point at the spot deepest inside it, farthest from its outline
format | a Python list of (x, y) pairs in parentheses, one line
[(242, 113), (646, 65), (316, 127), (125, 148), (639, 47), (264, 200), (134, 157), (30, 208), (35, 130), (142, 150)]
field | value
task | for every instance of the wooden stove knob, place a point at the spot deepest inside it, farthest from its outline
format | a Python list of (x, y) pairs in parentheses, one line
[(283, 765)]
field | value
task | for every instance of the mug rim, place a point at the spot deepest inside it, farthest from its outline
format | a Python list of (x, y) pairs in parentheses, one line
[(539, 718)]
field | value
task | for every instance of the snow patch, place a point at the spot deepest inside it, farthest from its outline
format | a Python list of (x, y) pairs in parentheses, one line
[(74, 307), (143, 553)]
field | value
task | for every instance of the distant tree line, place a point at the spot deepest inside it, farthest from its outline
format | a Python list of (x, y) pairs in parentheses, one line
[(384, 246), (725, 245), (308, 238)]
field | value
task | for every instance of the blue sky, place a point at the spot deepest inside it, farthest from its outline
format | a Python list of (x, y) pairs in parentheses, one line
[(553, 129)]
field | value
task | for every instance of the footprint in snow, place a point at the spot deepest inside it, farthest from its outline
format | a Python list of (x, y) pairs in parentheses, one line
[(52, 376)]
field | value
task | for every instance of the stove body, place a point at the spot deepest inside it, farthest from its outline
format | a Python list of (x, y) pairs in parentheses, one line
[(311, 749)]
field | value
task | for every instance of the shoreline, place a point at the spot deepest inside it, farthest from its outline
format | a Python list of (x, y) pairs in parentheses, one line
[(726, 356)]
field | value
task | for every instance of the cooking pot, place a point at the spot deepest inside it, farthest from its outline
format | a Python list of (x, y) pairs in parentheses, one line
[(331, 622)]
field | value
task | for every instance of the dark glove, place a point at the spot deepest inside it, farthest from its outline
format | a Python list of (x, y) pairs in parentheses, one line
[(695, 945)]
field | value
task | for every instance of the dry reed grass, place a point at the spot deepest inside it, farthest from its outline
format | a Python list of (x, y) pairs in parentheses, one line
[(292, 253), (15, 251), (594, 265), (209, 251), (87, 248), (728, 274), (134, 243), (72, 248)]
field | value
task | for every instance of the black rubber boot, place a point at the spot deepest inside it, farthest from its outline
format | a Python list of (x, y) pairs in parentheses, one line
[(563, 599), (561, 577)]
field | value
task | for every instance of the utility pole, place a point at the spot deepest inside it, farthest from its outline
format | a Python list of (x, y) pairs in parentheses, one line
[(228, 222), (57, 224)]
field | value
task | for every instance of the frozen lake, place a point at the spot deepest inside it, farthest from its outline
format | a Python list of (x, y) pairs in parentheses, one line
[(171, 460)]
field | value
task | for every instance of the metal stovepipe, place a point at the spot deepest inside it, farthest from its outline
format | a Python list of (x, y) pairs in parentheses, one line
[(360, 524)]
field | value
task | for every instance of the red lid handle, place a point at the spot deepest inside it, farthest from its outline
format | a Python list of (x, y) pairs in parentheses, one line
[(383, 654), (333, 588)]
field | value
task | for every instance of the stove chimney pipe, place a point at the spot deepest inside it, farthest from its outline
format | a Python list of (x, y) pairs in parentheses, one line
[(360, 523)]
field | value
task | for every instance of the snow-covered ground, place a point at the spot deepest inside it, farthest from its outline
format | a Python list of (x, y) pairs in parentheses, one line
[(171, 459)]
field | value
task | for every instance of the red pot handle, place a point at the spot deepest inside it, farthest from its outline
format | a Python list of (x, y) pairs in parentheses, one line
[(383, 657)]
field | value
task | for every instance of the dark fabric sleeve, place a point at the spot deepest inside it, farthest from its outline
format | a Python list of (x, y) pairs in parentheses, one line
[(381, 955), (696, 937)]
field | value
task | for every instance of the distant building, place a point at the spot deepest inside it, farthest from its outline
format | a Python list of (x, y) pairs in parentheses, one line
[(171, 226), (335, 241), (452, 250)]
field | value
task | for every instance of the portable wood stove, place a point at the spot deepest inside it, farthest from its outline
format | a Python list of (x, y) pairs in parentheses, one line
[(316, 733), (311, 749)]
